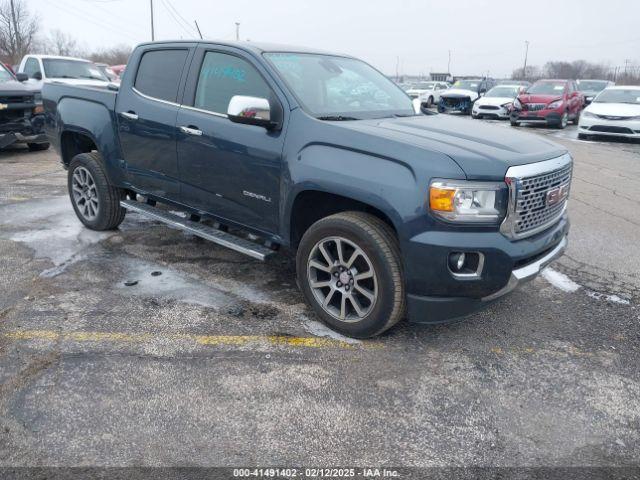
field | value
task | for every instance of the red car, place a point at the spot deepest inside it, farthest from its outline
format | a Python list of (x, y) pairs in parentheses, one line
[(553, 102)]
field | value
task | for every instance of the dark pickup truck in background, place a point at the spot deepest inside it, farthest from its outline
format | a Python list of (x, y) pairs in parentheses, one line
[(21, 113), (390, 212)]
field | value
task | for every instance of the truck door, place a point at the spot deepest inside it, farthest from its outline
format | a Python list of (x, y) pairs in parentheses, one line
[(146, 110), (229, 170)]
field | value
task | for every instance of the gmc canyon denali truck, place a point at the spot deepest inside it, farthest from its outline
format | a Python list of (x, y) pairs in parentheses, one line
[(391, 213)]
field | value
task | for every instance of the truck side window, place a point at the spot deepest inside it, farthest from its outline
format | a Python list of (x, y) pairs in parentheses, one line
[(31, 67), (159, 73), (222, 76)]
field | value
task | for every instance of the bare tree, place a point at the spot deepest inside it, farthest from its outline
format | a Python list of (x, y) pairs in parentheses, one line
[(59, 43), (18, 30), (117, 55)]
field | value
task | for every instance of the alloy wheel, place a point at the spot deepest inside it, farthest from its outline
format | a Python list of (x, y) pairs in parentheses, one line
[(342, 279), (85, 193)]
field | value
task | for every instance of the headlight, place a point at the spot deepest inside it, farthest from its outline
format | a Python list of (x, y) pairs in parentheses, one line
[(554, 105), (467, 202), (517, 104), (37, 97), (589, 115), (507, 105)]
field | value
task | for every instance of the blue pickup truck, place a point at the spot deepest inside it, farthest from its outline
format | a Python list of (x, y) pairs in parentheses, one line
[(392, 213)]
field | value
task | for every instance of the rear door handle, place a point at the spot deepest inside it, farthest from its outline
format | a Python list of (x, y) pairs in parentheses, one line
[(130, 115), (191, 131)]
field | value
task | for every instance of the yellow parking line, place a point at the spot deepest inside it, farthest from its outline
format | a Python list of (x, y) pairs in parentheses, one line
[(211, 340)]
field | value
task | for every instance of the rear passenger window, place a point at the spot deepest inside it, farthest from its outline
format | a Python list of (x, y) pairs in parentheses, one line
[(222, 76), (159, 73)]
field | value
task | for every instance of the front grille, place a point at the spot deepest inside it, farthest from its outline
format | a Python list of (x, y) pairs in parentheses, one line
[(17, 99), (489, 107), (531, 201), (534, 107), (613, 117), (610, 129)]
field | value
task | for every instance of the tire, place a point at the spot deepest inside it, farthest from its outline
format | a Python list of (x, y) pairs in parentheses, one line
[(37, 147), (430, 102), (582, 136), (564, 121), (380, 296), (576, 119), (514, 123), (104, 199)]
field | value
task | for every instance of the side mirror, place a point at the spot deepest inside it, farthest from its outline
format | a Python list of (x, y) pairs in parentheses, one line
[(37, 76), (22, 77), (250, 111)]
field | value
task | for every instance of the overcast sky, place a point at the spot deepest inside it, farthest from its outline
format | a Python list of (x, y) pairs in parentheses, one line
[(483, 35)]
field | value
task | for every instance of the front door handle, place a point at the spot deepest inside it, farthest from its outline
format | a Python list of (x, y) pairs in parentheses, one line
[(130, 115), (191, 131)]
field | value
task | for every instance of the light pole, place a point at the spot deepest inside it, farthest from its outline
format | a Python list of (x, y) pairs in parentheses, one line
[(237, 31), (449, 63), (526, 55), (153, 34)]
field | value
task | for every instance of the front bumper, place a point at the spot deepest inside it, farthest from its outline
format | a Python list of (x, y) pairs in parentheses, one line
[(507, 264), (7, 139), (454, 104), (609, 128), (550, 117), (490, 111)]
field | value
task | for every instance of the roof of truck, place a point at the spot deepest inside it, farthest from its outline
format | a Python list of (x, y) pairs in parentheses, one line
[(257, 47), (59, 57)]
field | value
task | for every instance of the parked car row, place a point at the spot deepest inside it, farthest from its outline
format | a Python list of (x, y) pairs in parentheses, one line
[(21, 119), (598, 107)]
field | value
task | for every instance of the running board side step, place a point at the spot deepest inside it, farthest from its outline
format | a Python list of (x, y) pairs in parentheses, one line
[(224, 239)]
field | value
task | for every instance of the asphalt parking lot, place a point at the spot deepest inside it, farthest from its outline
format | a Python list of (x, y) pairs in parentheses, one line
[(213, 358)]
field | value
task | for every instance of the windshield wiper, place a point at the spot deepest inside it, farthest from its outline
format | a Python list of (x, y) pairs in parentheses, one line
[(336, 118)]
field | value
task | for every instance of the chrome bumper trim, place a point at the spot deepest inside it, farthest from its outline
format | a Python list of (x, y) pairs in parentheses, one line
[(530, 271)]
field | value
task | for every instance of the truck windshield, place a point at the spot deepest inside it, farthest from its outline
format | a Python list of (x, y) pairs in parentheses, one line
[(65, 68), (5, 75), (339, 88)]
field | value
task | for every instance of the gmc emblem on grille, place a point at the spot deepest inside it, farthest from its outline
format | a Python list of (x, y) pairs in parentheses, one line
[(557, 195)]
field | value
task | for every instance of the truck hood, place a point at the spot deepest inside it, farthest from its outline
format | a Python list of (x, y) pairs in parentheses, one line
[(483, 151), (13, 87), (459, 92)]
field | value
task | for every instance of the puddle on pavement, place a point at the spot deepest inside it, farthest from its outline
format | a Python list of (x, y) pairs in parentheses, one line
[(171, 285)]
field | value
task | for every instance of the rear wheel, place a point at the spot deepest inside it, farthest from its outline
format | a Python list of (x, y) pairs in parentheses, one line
[(37, 147), (349, 269), (95, 201), (515, 123), (582, 136)]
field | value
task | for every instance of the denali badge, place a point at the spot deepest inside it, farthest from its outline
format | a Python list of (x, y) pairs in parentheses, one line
[(556, 195), (255, 195)]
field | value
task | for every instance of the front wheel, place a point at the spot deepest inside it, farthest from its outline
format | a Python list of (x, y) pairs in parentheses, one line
[(515, 123), (564, 121), (576, 119), (95, 201), (349, 270)]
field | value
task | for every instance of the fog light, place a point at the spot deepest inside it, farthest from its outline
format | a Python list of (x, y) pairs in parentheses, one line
[(466, 264), (457, 261)]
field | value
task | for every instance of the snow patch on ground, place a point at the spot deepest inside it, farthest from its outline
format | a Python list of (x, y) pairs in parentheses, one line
[(50, 228), (321, 330), (559, 280), (608, 298)]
